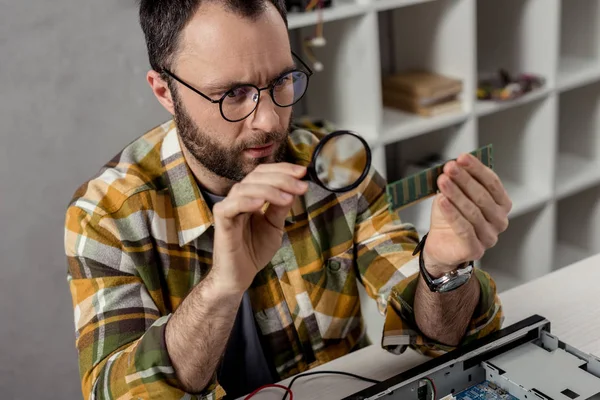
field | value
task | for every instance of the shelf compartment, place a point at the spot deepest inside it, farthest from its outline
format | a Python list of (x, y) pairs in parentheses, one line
[(446, 143), (440, 42), (341, 9), (517, 36), (519, 255), (578, 164), (523, 145), (346, 92), (577, 227), (579, 61)]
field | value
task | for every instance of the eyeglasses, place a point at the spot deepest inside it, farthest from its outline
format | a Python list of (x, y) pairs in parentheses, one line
[(241, 101)]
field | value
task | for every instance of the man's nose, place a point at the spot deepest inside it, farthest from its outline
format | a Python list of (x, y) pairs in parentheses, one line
[(265, 117)]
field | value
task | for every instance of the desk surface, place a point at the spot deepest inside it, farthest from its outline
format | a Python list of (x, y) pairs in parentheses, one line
[(565, 297)]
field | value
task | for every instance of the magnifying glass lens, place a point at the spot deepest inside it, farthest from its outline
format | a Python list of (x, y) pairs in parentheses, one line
[(341, 161)]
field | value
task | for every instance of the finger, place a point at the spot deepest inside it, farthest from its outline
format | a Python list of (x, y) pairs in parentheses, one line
[(459, 224), (263, 192), (276, 215), (294, 170), (232, 207), (281, 181), (479, 195), (488, 178), (471, 213)]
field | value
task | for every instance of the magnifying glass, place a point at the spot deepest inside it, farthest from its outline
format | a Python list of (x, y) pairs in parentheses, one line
[(340, 162)]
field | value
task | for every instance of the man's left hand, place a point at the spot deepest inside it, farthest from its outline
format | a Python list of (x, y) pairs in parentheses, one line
[(467, 216)]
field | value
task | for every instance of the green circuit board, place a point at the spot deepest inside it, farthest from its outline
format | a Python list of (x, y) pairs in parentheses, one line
[(484, 391), (419, 186)]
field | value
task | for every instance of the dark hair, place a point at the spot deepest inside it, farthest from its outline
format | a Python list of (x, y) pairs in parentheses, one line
[(162, 22)]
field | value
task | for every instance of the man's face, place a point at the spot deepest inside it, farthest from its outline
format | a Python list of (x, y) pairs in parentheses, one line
[(220, 49)]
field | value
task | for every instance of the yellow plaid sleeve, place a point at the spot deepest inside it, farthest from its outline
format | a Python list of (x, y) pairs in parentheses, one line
[(389, 273), (119, 322)]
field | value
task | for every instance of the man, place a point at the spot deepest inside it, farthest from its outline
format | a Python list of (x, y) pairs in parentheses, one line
[(201, 263)]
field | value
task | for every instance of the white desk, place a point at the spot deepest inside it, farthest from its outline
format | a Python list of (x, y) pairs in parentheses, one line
[(567, 297)]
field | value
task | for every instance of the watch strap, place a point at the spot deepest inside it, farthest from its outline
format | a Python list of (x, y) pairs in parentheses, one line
[(423, 184), (429, 280)]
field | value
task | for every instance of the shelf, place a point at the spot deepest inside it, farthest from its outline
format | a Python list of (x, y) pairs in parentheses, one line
[(524, 199), (483, 107), (575, 173), (384, 5), (340, 10), (398, 125), (577, 227), (577, 71)]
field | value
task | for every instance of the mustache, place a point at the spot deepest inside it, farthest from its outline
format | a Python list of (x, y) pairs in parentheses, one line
[(264, 139)]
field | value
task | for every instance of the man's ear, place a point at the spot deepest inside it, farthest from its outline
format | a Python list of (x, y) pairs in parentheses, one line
[(161, 90)]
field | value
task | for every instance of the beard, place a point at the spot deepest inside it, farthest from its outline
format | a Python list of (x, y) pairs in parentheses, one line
[(227, 162)]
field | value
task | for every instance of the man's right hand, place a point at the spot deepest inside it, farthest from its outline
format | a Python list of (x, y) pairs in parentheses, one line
[(246, 239)]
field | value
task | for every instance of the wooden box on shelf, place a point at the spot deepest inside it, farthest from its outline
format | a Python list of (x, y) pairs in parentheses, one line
[(422, 92)]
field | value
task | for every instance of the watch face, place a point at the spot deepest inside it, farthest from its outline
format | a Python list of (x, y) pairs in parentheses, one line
[(455, 283)]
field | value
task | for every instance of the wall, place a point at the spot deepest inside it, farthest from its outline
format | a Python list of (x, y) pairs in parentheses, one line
[(72, 94)]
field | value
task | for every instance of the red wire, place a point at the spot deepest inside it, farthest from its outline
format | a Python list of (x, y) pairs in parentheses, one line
[(270, 386)]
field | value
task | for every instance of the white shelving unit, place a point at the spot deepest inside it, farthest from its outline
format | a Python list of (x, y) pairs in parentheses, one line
[(546, 144)]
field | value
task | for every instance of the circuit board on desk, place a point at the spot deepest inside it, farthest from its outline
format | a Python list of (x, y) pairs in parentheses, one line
[(483, 391), (523, 361)]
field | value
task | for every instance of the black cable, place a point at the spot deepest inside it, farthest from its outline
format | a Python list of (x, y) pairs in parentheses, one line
[(362, 378)]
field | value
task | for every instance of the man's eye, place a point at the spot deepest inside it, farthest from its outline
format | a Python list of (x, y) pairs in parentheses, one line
[(283, 80), (238, 92)]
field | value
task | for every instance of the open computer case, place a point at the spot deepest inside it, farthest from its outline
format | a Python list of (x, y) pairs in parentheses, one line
[(522, 361)]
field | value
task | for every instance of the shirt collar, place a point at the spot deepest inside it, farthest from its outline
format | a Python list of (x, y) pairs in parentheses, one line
[(191, 211), (192, 215)]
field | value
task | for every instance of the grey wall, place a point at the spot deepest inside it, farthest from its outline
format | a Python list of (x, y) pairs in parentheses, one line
[(72, 94)]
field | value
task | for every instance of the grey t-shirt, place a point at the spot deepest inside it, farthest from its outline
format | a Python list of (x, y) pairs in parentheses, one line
[(244, 366)]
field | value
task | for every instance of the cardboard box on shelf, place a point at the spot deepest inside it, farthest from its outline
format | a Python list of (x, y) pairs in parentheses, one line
[(422, 92)]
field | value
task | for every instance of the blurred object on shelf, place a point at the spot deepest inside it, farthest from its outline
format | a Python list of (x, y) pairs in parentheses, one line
[(318, 40), (422, 92), (303, 5), (502, 86)]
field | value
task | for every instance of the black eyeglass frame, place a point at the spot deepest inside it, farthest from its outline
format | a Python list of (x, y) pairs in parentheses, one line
[(308, 74)]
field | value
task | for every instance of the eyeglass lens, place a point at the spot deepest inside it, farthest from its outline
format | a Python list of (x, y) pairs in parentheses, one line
[(242, 100)]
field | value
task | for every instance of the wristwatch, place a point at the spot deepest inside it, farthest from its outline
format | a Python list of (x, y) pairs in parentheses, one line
[(448, 282)]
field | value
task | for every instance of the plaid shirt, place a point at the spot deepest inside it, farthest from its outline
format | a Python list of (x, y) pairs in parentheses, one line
[(138, 238)]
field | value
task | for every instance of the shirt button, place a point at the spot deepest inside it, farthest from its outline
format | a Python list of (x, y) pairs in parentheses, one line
[(334, 265)]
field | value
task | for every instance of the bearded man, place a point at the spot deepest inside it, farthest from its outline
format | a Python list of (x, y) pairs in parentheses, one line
[(185, 285)]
